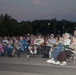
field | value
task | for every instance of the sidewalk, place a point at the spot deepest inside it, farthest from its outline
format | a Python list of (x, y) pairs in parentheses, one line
[(16, 73), (32, 61)]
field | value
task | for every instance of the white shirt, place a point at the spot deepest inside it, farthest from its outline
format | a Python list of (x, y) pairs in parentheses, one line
[(66, 42), (38, 41), (53, 41), (6, 41)]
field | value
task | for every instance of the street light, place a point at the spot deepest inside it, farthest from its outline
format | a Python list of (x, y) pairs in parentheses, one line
[(63, 27), (48, 24)]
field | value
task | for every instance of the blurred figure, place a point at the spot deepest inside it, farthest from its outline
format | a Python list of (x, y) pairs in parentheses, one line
[(15, 43), (74, 33), (51, 41), (1, 49), (22, 44), (37, 43), (7, 45)]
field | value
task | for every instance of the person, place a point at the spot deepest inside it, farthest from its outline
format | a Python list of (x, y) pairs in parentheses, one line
[(74, 33), (28, 39), (15, 43), (5, 40), (57, 38), (37, 43), (7, 47), (63, 55), (10, 46), (30, 46), (51, 41), (22, 44), (32, 38), (39, 40), (1, 48)]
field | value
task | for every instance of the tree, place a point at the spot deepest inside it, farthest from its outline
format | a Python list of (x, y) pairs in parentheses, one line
[(10, 27)]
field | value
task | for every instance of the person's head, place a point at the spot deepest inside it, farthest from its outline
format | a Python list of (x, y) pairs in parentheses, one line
[(57, 38), (74, 39), (66, 36), (32, 35), (75, 33), (5, 38), (52, 36), (39, 35), (15, 38), (21, 38)]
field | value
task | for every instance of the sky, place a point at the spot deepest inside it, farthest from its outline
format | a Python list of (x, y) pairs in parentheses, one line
[(24, 10)]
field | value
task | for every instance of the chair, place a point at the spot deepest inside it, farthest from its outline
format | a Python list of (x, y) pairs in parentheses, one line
[(73, 56), (21, 51), (45, 51)]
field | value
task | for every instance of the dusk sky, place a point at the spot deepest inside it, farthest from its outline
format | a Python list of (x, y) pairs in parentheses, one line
[(23, 10)]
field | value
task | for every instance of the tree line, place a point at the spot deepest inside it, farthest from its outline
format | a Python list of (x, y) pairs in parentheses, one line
[(11, 27)]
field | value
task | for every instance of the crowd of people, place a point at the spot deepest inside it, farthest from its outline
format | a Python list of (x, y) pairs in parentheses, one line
[(56, 48)]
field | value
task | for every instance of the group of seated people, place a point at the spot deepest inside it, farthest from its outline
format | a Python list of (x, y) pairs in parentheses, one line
[(66, 47), (9, 46), (56, 48)]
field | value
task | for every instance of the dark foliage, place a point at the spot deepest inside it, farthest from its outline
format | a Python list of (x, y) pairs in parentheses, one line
[(10, 27)]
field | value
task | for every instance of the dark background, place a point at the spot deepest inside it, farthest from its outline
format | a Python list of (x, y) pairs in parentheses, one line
[(11, 27)]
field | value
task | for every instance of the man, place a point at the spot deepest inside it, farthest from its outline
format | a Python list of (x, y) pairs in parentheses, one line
[(37, 43), (22, 44), (51, 41)]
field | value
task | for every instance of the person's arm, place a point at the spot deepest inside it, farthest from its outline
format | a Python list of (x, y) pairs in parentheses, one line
[(19, 43), (72, 46)]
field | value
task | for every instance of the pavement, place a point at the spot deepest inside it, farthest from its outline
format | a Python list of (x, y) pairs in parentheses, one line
[(33, 66), (15, 73), (32, 61)]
